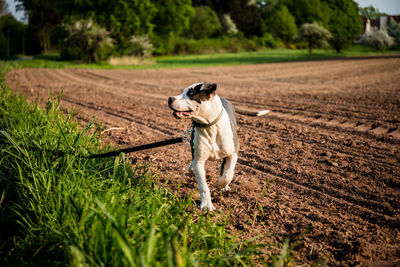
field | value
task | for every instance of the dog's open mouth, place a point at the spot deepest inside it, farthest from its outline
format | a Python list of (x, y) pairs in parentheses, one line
[(182, 114)]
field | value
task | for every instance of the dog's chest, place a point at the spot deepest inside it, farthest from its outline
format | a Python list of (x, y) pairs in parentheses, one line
[(213, 143)]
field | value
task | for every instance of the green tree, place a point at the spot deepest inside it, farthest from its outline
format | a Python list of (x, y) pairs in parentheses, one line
[(309, 11), (344, 23), (219, 6), (11, 36), (315, 35), (282, 24), (122, 18), (370, 12), (127, 18), (172, 16), (247, 17), (43, 17), (171, 20), (204, 23), (394, 31)]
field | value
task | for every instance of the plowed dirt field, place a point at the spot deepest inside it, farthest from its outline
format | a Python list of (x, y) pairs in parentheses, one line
[(329, 148)]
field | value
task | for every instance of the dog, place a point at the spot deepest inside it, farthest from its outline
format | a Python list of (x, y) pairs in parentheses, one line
[(214, 135)]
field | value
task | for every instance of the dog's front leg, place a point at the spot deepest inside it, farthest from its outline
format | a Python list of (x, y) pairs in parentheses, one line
[(205, 195)]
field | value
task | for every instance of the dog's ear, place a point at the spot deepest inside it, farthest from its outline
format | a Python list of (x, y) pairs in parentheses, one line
[(209, 88), (202, 92), (198, 87)]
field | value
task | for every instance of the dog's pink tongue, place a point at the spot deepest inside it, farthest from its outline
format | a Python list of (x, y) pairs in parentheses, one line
[(182, 113), (178, 114)]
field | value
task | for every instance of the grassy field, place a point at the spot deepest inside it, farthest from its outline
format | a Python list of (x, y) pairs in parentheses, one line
[(215, 59), (65, 209), (260, 57)]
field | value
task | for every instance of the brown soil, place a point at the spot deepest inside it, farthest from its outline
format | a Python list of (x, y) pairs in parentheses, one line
[(330, 145)]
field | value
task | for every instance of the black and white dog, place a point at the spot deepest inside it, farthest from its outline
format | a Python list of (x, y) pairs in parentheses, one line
[(214, 135)]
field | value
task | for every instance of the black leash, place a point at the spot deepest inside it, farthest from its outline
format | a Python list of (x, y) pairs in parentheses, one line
[(138, 148), (184, 138)]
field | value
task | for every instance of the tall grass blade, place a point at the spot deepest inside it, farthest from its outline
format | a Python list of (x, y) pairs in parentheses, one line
[(77, 259), (14, 143), (78, 138), (122, 240)]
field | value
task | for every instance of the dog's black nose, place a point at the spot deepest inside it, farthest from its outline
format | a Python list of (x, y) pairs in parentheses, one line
[(170, 100)]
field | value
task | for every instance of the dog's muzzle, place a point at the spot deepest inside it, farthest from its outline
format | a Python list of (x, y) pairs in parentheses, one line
[(177, 113)]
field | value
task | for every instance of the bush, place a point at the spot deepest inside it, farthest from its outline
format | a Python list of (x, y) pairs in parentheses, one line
[(314, 34), (394, 31), (188, 46), (164, 45), (377, 39), (87, 41), (267, 40), (228, 26), (222, 44), (141, 46)]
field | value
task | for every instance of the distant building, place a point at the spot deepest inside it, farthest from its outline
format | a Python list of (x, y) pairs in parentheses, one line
[(380, 23)]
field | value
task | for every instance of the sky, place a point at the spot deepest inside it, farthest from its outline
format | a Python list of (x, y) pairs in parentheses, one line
[(11, 7), (391, 7)]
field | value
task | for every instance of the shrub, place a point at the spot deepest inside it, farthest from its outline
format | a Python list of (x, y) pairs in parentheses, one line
[(188, 46), (267, 40), (377, 39), (394, 31), (314, 34), (222, 44), (141, 46), (86, 40), (164, 45)]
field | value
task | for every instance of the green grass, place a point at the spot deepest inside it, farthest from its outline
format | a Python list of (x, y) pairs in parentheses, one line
[(203, 60), (70, 210), (265, 56)]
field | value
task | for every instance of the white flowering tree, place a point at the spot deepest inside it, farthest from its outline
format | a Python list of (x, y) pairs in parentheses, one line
[(315, 35), (377, 39), (87, 40)]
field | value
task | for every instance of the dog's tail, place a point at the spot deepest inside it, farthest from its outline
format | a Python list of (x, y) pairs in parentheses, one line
[(251, 113)]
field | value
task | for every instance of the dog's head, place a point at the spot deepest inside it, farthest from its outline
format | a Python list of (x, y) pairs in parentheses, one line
[(195, 102)]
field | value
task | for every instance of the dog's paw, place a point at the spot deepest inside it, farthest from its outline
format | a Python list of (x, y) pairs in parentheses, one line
[(226, 188), (207, 206), (223, 185)]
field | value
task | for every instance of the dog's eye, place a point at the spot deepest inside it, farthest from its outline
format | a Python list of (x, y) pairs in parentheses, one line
[(190, 93)]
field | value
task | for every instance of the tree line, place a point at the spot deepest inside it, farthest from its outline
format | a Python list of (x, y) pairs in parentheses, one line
[(174, 26)]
